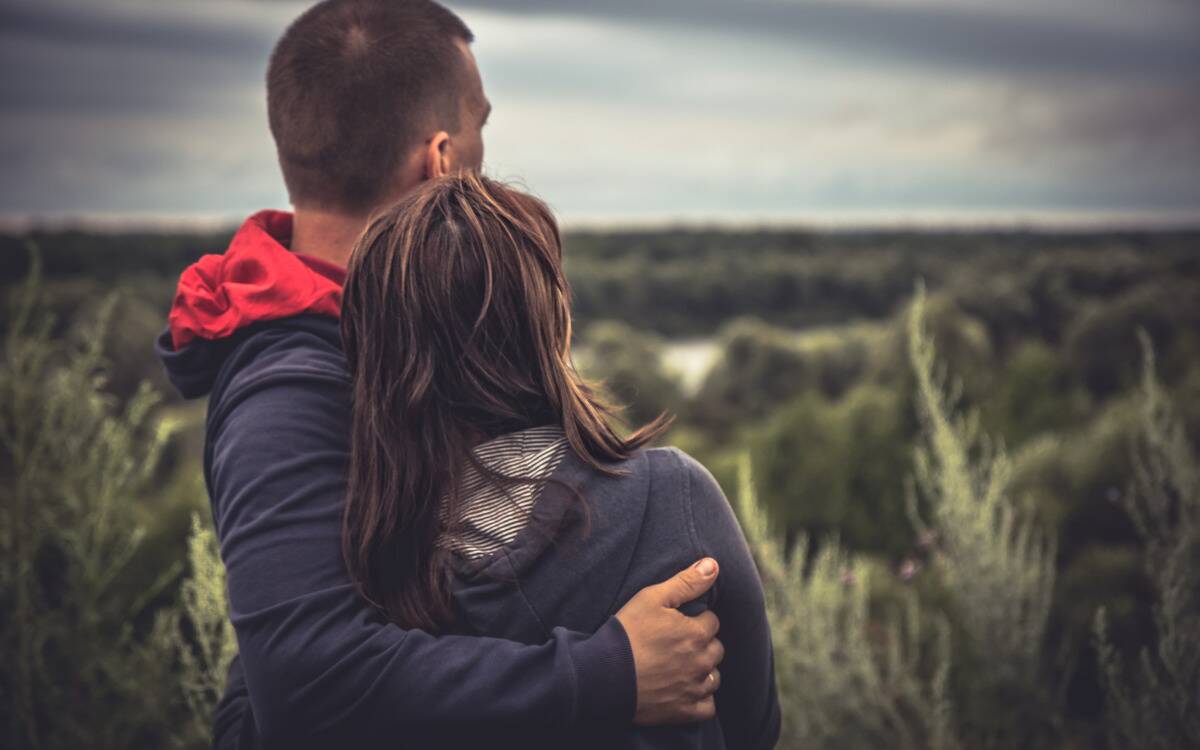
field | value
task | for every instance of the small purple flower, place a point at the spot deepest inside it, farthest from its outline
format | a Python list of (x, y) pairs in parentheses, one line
[(848, 578), (908, 569)]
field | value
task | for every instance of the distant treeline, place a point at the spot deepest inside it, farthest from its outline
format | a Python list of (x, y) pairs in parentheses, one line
[(688, 282), (106, 256), (682, 283)]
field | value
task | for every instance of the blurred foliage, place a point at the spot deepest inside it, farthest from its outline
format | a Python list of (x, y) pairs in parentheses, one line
[(94, 649), (848, 676), (106, 257), (200, 631), (833, 467), (1035, 395), (760, 368), (1152, 701), (996, 564), (618, 355)]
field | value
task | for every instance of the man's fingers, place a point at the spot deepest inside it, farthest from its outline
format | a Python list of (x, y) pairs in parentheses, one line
[(687, 584), (714, 652), (705, 709), (712, 681), (709, 624)]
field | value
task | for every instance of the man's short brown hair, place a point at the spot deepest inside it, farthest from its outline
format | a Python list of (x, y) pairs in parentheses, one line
[(351, 87)]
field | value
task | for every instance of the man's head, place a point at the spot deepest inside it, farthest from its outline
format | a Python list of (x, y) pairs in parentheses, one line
[(366, 98)]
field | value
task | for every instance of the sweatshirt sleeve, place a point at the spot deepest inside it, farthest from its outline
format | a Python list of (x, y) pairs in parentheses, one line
[(748, 700), (315, 659)]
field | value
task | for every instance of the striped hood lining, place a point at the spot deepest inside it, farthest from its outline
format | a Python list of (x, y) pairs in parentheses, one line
[(491, 516)]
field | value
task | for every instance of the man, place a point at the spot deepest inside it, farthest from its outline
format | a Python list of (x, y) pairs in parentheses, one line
[(366, 99)]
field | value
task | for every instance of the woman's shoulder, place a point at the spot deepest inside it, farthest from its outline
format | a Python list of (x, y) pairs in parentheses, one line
[(659, 484), (680, 484), (675, 464)]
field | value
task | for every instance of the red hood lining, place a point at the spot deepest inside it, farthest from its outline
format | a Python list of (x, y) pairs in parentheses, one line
[(258, 278)]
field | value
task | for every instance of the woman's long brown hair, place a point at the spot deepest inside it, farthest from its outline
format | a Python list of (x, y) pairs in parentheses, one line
[(456, 325)]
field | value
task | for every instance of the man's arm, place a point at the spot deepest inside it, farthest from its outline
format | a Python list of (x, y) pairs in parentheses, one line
[(316, 658)]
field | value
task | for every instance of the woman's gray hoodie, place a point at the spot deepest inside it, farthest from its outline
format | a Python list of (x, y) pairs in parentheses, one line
[(666, 512)]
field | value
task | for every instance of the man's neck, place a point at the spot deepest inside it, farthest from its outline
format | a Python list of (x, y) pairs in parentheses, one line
[(328, 236)]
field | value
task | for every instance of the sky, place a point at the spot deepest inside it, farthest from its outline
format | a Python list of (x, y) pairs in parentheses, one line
[(839, 112)]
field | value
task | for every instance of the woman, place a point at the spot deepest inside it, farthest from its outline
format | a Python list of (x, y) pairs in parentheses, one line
[(489, 490)]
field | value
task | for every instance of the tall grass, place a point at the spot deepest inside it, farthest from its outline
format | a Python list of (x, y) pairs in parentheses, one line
[(1154, 702), (961, 669), (996, 566), (92, 655), (199, 632), (845, 681)]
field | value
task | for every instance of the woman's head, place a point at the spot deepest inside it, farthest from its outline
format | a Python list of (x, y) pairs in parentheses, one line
[(456, 326)]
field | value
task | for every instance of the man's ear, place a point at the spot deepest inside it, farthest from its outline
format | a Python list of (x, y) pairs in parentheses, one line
[(437, 155)]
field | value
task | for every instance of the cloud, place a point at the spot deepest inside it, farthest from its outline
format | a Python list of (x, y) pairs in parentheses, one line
[(695, 108), (126, 107), (131, 58), (1160, 41), (725, 124), (166, 27)]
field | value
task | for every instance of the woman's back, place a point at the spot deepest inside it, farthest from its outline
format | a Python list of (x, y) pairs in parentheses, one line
[(518, 578), (456, 324)]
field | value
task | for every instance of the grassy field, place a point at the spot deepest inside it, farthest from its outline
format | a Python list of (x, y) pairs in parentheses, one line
[(787, 356)]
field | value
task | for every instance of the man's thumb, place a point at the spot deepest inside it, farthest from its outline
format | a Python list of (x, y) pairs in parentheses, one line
[(688, 584)]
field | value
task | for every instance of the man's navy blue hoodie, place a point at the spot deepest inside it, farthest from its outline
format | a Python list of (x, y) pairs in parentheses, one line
[(537, 658)]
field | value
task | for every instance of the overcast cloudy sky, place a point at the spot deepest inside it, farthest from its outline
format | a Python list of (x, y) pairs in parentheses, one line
[(649, 110)]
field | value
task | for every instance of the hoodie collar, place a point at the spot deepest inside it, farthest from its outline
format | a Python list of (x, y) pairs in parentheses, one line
[(257, 279)]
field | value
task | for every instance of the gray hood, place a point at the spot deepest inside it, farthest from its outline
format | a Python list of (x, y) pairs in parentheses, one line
[(580, 580)]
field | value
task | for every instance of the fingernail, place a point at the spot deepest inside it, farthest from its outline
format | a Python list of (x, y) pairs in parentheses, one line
[(707, 566)]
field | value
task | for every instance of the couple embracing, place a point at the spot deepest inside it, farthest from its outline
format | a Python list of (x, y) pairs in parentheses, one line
[(433, 532)]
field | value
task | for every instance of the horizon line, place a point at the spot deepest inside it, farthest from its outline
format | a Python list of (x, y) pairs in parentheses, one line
[(930, 221)]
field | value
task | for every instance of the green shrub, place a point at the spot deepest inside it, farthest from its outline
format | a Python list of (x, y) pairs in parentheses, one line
[(846, 679), (1102, 342), (199, 633), (996, 566), (1152, 703), (760, 368), (629, 364), (832, 467), (1035, 395), (92, 654)]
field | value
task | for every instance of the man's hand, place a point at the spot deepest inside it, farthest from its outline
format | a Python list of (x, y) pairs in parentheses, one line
[(675, 656)]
